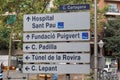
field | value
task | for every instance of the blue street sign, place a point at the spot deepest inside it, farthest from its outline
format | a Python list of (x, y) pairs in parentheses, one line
[(75, 7), (85, 35), (60, 25)]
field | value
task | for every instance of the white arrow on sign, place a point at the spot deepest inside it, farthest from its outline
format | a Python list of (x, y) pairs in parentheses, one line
[(56, 68), (57, 47)]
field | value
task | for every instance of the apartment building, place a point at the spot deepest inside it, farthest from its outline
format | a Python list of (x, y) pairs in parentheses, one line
[(113, 11), (113, 7)]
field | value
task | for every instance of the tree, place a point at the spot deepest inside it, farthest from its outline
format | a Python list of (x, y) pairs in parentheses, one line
[(112, 35), (14, 23), (21, 7)]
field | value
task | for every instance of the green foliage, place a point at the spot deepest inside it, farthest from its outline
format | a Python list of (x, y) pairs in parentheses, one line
[(15, 22), (11, 19), (4, 38), (112, 35), (21, 7), (106, 8), (57, 3)]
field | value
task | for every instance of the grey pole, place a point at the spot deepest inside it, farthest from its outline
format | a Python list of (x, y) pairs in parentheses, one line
[(101, 58), (45, 77), (67, 76), (95, 41), (9, 55)]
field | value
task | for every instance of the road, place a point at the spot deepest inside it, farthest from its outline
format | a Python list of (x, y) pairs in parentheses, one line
[(119, 75), (14, 75), (17, 75)]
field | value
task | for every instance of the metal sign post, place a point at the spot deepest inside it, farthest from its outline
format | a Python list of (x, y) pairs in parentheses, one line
[(95, 42)]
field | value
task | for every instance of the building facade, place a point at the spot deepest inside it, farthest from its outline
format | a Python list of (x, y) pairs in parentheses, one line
[(112, 12), (113, 7)]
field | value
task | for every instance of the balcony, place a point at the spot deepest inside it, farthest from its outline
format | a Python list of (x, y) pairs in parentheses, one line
[(112, 14), (113, 10), (113, 0)]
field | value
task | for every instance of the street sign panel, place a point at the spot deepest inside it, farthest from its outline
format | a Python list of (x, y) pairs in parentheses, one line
[(57, 36), (57, 21), (57, 47), (74, 7), (57, 58), (56, 68)]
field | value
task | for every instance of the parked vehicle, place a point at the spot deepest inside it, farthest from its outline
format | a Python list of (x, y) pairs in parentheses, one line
[(110, 65), (109, 68)]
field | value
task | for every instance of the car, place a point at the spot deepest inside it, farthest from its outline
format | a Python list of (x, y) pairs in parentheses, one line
[(106, 68), (1, 75), (109, 69)]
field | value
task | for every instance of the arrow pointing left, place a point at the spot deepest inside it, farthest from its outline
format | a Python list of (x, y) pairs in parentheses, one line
[(27, 68), (27, 47), (27, 57)]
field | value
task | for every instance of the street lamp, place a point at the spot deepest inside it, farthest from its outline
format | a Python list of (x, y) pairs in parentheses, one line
[(101, 44), (101, 58)]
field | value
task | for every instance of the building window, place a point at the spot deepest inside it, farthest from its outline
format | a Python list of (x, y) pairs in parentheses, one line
[(113, 8)]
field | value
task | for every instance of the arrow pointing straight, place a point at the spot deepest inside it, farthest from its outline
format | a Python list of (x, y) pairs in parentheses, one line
[(28, 19), (28, 36)]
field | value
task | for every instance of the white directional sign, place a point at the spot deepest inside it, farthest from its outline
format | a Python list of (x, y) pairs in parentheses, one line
[(57, 58), (57, 36), (54, 68), (60, 38), (57, 21), (57, 47)]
